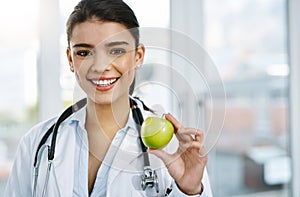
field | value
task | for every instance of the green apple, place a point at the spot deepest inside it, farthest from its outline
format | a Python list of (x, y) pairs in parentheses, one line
[(156, 132)]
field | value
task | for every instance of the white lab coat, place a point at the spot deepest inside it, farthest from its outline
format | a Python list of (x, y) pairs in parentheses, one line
[(124, 175)]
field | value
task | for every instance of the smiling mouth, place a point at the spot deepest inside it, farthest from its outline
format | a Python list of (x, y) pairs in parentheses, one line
[(104, 82)]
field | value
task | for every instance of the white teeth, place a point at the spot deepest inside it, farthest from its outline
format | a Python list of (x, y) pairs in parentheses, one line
[(104, 82)]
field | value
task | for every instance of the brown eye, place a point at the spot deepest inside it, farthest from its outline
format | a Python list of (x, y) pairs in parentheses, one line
[(117, 51), (84, 53)]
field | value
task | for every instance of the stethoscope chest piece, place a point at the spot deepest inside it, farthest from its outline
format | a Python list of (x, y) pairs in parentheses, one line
[(149, 179)]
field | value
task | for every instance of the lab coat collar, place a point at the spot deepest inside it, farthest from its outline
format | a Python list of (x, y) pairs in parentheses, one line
[(126, 158), (80, 117)]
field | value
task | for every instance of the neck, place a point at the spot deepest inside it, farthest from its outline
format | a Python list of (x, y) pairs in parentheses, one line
[(107, 118)]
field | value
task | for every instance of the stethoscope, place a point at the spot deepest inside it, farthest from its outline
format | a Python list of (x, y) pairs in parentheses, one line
[(149, 177)]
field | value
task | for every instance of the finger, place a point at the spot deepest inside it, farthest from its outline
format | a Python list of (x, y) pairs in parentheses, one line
[(199, 136), (184, 137), (191, 131), (189, 145), (189, 134), (195, 145), (185, 134), (174, 121), (200, 149), (203, 152), (163, 155)]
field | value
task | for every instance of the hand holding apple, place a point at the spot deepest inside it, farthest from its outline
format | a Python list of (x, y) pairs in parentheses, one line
[(187, 164), (156, 132)]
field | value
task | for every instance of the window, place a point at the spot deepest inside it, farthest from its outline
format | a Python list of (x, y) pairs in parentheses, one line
[(247, 39), (18, 79)]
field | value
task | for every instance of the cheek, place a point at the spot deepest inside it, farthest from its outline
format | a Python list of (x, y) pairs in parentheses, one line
[(82, 64), (81, 72), (125, 65), (128, 76), (128, 72)]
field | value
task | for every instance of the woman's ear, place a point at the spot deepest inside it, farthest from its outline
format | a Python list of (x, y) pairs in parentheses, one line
[(70, 59), (139, 55)]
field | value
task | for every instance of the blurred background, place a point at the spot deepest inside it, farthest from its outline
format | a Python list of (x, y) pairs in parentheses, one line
[(248, 41)]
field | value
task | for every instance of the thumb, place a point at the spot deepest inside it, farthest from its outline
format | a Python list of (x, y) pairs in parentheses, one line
[(163, 155)]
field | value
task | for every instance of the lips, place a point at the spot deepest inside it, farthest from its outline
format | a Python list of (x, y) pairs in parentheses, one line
[(103, 83)]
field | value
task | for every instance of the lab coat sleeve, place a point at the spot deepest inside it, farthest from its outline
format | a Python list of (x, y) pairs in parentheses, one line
[(19, 182), (177, 192), (205, 184)]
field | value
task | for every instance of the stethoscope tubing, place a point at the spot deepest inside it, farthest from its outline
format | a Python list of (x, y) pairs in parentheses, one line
[(47, 178), (137, 116), (36, 169)]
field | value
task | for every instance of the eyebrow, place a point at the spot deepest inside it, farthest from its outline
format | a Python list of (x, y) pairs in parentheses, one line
[(84, 45), (116, 43), (110, 44)]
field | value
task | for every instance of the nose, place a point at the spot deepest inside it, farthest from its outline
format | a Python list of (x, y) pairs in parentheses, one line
[(101, 62)]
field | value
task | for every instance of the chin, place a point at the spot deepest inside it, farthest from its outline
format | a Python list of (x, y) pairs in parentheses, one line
[(103, 100), (106, 99)]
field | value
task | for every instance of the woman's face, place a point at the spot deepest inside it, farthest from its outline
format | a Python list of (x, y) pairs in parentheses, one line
[(103, 56)]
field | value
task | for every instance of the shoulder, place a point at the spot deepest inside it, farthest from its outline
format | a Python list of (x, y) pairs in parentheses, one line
[(29, 142), (38, 131)]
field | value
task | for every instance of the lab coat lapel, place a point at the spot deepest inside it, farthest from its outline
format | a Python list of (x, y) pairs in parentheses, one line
[(63, 163), (127, 159)]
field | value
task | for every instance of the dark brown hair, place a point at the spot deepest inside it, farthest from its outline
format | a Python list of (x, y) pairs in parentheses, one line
[(104, 10)]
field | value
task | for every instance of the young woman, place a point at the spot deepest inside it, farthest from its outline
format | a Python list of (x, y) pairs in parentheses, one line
[(97, 148)]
